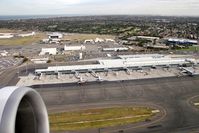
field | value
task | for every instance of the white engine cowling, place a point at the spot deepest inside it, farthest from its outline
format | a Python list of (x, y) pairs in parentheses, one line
[(22, 110)]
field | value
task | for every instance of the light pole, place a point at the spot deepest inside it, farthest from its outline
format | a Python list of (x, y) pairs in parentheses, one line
[(26, 68)]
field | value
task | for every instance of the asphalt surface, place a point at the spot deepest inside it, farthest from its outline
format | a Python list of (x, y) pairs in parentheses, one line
[(10, 76), (171, 94)]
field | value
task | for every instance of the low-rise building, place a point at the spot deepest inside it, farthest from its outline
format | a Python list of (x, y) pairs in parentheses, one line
[(157, 47), (3, 53), (55, 36), (49, 51), (40, 60), (115, 49), (89, 41), (45, 40), (6, 35), (110, 40), (55, 41), (144, 37), (177, 41), (99, 40), (26, 35), (74, 48)]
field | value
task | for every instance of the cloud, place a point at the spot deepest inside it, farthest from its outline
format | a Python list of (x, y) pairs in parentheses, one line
[(154, 7), (55, 2)]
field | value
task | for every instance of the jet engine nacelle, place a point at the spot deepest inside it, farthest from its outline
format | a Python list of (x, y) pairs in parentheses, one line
[(22, 110)]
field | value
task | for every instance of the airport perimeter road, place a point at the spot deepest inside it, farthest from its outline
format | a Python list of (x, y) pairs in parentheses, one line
[(169, 93)]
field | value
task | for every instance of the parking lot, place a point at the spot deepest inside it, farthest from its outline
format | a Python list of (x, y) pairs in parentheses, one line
[(9, 62)]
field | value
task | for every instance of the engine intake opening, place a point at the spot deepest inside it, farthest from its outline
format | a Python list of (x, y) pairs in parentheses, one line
[(25, 119), (22, 111)]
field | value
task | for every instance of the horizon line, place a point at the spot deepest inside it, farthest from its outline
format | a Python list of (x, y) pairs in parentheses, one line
[(48, 16)]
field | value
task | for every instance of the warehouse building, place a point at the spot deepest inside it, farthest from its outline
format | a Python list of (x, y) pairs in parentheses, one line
[(6, 35), (115, 49), (55, 36), (110, 40), (48, 51), (144, 37), (27, 35), (176, 41), (74, 48), (40, 60)]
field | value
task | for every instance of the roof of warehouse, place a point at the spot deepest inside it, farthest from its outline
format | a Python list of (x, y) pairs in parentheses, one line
[(182, 40)]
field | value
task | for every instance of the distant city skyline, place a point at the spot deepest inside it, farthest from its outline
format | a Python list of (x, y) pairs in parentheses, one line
[(100, 7)]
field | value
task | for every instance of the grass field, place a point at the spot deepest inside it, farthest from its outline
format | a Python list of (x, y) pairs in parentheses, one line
[(98, 118), (3, 30), (39, 36), (191, 48), (23, 40), (82, 37)]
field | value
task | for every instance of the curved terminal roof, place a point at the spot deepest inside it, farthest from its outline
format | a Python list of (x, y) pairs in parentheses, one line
[(124, 62)]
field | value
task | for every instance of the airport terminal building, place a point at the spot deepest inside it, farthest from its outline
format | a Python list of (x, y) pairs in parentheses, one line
[(120, 63)]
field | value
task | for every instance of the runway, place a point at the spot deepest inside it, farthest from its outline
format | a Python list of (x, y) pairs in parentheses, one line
[(172, 94)]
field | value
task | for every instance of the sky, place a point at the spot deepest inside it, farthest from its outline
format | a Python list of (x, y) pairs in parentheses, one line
[(100, 7)]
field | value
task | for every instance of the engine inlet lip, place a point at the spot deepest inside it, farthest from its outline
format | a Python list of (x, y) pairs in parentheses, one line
[(9, 104)]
